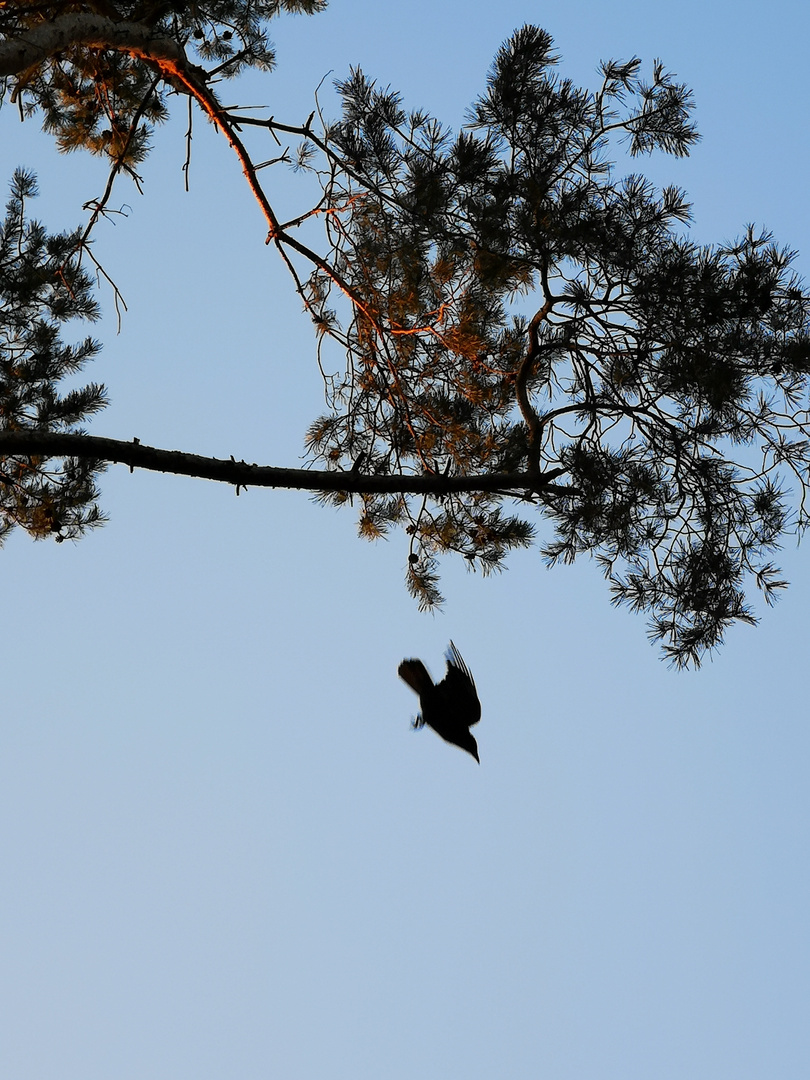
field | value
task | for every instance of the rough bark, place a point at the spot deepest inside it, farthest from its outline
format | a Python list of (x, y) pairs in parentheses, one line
[(92, 31)]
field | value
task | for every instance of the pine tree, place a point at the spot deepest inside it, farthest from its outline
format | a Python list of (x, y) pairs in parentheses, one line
[(534, 347)]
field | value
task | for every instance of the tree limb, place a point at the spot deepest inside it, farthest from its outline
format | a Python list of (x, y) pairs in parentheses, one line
[(92, 31), (242, 474)]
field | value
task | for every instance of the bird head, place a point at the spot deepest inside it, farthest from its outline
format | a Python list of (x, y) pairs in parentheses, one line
[(468, 743)]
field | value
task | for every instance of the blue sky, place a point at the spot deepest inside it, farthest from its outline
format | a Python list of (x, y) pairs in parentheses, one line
[(224, 854)]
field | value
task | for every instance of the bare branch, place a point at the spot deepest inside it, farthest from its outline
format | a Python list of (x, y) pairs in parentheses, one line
[(243, 474)]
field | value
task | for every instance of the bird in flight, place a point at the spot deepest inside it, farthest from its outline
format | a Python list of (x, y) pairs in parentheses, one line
[(450, 707)]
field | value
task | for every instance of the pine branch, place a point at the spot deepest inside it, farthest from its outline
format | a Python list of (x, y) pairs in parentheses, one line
[(169, 59), (241, 474), (93, 32)]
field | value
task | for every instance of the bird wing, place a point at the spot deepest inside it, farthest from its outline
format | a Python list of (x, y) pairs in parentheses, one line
[(458, 689)]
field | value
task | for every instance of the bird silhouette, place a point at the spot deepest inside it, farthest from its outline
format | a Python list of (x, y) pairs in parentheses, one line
[(450, 707)]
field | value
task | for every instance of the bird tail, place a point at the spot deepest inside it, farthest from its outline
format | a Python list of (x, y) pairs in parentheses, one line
[(415, 674)]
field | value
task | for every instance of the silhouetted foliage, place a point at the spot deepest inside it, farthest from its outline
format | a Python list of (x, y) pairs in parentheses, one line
[(523, 309), (41, 287)]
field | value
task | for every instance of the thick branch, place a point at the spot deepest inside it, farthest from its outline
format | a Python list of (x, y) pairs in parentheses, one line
[(92, 31), (241, 474), (527, 364)]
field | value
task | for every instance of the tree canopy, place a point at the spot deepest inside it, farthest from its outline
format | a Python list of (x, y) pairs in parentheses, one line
[(534, 348)]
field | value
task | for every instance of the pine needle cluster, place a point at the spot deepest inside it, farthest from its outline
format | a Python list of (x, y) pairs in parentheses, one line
[(42, 287)]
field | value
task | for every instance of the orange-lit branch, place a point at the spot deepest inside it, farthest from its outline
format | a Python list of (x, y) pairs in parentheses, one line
[(167, 57)]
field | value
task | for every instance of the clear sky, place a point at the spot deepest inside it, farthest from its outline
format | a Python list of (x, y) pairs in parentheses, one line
[(223, 853)]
